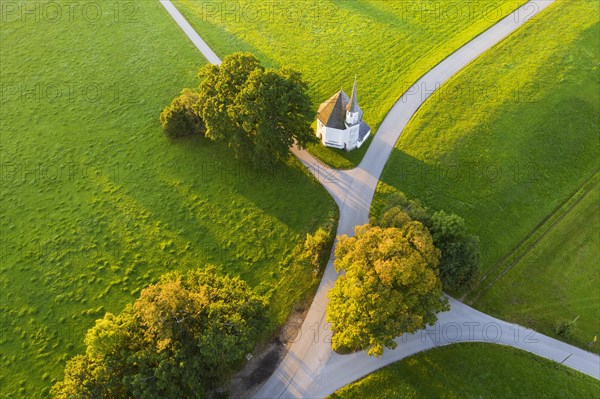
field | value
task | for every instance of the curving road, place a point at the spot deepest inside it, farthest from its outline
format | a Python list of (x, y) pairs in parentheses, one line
[(311, 369)]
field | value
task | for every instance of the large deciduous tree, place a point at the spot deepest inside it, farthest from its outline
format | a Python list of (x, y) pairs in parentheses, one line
[(391, 286), (275, 112), (219, 88), (259, 112), (181, 338)]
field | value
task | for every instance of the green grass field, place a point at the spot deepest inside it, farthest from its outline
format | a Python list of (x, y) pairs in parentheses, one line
[(97, 204), (563, 268), (388, 45), (506, 143), (473, 370), (512, 136)]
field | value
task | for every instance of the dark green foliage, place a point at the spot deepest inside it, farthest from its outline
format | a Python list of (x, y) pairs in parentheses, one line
[(259, 113), (182, 337), (459, 265), (274, 112), (179, 119), (218, 90)]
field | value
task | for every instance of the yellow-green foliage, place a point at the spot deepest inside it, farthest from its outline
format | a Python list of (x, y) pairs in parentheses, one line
[(317, 247), (178, 119), (390, 286)]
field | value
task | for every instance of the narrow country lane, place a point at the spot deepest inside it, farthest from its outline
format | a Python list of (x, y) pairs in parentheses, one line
[(311, 369)]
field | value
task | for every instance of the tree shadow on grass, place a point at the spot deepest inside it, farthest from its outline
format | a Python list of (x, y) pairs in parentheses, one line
[(249, 222), (377, 12), (449, 186)]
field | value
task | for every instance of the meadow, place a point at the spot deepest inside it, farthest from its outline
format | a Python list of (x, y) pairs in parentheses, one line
[(563, 267), (507, 142), (97, 203), (386, 44), (472, 370)]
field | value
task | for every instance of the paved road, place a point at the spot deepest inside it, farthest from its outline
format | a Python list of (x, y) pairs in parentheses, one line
[(190, 32), (311, 369)]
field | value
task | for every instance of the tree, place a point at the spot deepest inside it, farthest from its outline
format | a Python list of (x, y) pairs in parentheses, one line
[(393, 217), (179, 119), (181, 338), (397, 203), (220, 86), (89, 378), (460, 253), (275, 112), (391, 286), (460, 261), (259, 113)]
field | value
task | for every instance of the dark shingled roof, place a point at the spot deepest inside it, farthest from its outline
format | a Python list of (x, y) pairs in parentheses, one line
[(332, 113), (363, 131)]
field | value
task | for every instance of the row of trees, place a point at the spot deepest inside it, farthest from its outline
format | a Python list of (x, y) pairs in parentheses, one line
[(182, 338), (260, 113), (394, 271)]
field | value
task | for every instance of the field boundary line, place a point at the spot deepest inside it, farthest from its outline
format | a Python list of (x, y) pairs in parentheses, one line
[(547, 225)]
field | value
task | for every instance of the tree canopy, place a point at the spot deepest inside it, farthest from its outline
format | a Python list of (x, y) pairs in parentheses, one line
[(460, 262), (460, 253), (274, 110), (181, 338), (391, 286), (179, 119), (259, 112), (396, 203), (219, 88)]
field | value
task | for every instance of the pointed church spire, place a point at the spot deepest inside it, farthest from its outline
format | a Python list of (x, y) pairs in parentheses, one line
[(353, 104)]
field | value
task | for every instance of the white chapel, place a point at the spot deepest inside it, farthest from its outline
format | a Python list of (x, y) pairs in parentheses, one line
[(339, 122)]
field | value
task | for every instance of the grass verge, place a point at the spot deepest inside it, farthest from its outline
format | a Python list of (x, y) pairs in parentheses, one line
[(473, 370)]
